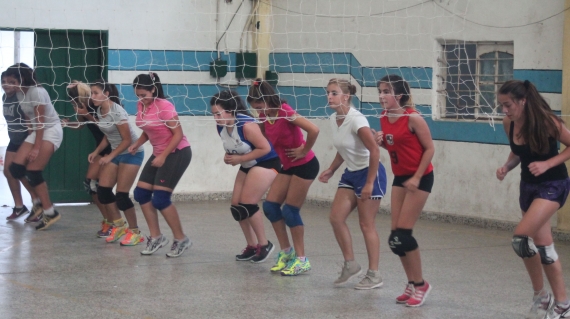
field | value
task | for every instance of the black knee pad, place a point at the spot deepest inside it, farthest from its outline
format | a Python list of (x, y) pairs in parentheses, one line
[(524, 246), (105, 195), (548, 254), (401, 241), (243, 211), (123, 201), (35, 178), (18, 171)]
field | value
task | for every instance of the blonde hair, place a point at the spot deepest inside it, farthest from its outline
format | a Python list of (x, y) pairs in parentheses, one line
[(79, 92), (345, 86)]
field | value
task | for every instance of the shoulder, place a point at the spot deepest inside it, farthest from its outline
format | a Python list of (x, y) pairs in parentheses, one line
[(507, 124), (163, 103), (286, 110)]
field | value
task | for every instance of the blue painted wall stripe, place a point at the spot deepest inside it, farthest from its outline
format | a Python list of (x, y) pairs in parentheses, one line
[(157, 60), (546, 81)]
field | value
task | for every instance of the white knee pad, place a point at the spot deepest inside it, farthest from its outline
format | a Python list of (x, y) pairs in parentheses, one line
[(548, 254)]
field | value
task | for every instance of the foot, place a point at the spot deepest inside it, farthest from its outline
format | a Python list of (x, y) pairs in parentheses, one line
[(152, 245), (403, 298), (106, 229), (116, 233), (420, 295), (18, 212), (178, 247), (47, 221), (350, 270), (132, 238), (282, 260), (371, 280), (36, 214), (540, 305), (263, 253), (247, 253), (296, 267), (558, 312)]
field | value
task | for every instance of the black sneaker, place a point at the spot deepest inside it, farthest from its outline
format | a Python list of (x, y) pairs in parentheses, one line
[(36, 214), (247, 253), (47, 221), (263, 253), (17, 213)]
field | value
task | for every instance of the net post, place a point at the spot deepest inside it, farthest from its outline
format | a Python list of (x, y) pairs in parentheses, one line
[(263, 39)]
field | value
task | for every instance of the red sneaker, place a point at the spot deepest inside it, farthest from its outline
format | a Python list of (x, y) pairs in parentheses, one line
[(419, 296), (406, 295)]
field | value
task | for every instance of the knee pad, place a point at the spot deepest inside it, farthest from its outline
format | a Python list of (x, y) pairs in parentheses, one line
[(272, 211), (123, 201), (161, 199), (401, 241), (105, 195), (547, 254), (243, 211), (292, 216), (90, 186), (524, 246), (18, 171), (35, 178), (142, 196)]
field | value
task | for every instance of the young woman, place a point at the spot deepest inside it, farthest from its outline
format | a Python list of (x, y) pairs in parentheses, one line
[(17, 132), (119, 167), (246, 146), (80, 95), (362, 185), (283, 128), (407, 138), (47, 134), (171, 156), (533, 131)]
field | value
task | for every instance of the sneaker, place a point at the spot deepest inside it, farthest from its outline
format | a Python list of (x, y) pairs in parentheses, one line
[(47, 221), (263, 253), (153, 245), (247, 253), (371, 280), (18, 212), (419, 296), (282, 260), (132, 238), (540, 306), (36, 214), (116, 233), (296, 267), (178, 247), (403, 298), (349, 270), (557, 312), (106, 229)]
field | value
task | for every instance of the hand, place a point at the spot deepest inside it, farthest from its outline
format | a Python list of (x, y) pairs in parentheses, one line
[(133, 149), (105, 160), (412, 183), (81, 110), (378, 137), (502, 172), (232, 160), (537, 168), (326, 175), (158, 161), (91, 157), (33, 154), (366, 192), (64, 122), (296, 153)]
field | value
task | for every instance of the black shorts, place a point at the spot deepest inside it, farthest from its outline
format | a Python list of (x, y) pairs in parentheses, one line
[(309, 170), (170, 173), (272, 163), (426, 183), (13, 147)]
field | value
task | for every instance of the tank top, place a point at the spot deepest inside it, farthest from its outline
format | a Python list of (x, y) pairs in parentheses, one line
[(526, 156), (237, 143), (403, 146)]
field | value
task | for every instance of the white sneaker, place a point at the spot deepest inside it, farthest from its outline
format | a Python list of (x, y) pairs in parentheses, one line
[(178, 247), (153, 245)]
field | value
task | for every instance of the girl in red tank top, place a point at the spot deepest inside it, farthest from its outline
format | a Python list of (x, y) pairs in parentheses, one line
[(407, 138)]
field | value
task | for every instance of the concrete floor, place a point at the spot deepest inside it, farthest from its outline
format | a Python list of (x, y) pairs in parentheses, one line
[(66, 272)]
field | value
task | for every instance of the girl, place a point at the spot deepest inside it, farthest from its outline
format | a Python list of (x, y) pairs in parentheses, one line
[(283, 128), (171, 156), (17, 132), (407, 138), (362, 184), (80, 95), (533, 131), (119, 167), (246, 146), (34, 154)]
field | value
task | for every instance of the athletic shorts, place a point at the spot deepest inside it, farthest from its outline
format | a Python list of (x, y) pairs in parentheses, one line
[(357, 179), (53, 135), (13, 147), (170, 173), (309, 170), (426, 182), (128, 158), (556, 191), (273, 163)]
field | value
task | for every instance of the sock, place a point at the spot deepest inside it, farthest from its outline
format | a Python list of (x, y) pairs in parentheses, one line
[(288, 250), (375, 272), (303, 259), (419, 284), (119, 222), (49, 212), (563, 305), (19, 207), (36, 201), (410, 282), (135, 230), (159, 237)]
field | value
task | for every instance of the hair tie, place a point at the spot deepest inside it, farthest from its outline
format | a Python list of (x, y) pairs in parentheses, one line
[(526, 84), (256, 83), (151, 74)]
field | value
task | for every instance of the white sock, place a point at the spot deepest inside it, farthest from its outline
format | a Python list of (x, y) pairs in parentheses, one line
[(49, 212)]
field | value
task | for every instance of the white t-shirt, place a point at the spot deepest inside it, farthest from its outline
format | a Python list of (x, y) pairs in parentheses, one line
[(348, 143), (108, 125), (38, 96)]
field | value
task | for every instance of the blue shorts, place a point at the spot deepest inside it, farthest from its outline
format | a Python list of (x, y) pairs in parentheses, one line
[(357, 179), (128, 158)]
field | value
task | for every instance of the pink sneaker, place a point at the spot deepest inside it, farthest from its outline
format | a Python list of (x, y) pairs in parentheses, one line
[(419, 296), (406, 295)]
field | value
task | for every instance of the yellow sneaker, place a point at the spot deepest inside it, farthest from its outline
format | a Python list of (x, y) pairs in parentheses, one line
[(132, 238), (116, 233), (296, 267), (282, 260)]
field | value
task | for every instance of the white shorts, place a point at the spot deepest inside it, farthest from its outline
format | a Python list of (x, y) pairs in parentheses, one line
[(53, 135)]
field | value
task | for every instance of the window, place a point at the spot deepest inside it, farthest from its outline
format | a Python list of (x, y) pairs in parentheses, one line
[(471, 73)]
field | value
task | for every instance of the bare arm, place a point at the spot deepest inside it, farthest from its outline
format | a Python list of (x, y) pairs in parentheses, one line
[(421, 129), (367, 138), (312, 133), (174, 125), (538, 168)]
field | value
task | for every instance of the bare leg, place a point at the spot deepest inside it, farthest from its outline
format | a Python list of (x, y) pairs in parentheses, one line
[(343, 204), (367, 211)]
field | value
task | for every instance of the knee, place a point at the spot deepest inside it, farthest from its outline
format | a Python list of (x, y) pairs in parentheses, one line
[(401, 241), (548, 254), (35, 178), (142, 195), (272, 211), (367, 227), (18, 171), (124, 202), (243, 211), (161, 199), (524, 246), (105, 195), (336, 220), (292, 216)]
